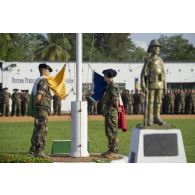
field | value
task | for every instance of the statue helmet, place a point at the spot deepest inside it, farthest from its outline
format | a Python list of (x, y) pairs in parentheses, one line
[(152, 44)]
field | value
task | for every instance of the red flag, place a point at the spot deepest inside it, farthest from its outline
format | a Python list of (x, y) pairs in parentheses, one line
[(121, 117)]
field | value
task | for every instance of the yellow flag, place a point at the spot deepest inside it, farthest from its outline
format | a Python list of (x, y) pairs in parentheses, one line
[(57, 83)]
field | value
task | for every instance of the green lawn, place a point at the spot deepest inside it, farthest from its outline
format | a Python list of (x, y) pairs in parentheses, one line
[(15, 137)]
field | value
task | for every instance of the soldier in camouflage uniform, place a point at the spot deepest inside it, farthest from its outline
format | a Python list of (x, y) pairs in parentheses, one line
[(171, 102), (57, 105), (5, 97), (176, 101), (16, 103), (43, 108), (22, 101), (131, 102), (136, 101), (100, 105), (110, 112), (25, 97), (125, 99), (189, 102), (181, 102), (193, 104), (165, 103)]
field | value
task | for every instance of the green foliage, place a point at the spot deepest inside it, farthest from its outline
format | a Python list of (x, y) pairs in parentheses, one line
[(19, 158), (176, 48), (97, 47)]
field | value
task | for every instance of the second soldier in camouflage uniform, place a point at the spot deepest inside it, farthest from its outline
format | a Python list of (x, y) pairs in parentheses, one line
[(110, 112), (5, 97), (181, 102), (16, 103), (57, 104), (43, 108)]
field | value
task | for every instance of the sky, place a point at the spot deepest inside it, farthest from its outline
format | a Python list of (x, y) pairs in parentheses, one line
[(143, 39)]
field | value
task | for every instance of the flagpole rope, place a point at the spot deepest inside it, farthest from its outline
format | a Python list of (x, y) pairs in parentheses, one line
[(89, 66), (69, 70)]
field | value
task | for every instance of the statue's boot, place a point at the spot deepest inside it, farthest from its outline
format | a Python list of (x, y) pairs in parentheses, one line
[(157, 119)]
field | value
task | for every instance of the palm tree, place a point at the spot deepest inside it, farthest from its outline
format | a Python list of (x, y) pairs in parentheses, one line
[(53, 47)]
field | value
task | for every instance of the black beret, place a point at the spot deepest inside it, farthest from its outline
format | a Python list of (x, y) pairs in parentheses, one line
[(15, 89), (5, 88), (110, 73), (45, 66), (26, 90)]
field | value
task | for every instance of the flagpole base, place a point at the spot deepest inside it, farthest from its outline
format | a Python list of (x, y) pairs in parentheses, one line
[(79, 127)]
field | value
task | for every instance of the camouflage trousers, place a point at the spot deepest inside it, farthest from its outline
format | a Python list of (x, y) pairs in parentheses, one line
[(5, 109), (39, 135), (57, 108), (16, 109), (111, 121)]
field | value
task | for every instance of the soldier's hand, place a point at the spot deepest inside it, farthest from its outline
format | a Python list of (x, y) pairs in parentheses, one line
[(119, 109), (38, 98)]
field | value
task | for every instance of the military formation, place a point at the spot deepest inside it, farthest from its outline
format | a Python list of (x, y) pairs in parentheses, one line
[(19, 106), (177, 101), (19, 101)]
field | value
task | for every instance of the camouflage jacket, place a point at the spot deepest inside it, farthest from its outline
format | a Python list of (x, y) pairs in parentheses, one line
[(111, 96), (5, 97), (16, 97), (45, 103)]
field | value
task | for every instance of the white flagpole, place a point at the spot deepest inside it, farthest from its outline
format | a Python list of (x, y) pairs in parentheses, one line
[(79, 123)]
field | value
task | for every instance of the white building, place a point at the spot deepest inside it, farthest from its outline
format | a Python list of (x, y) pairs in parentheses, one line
[(22, 75)]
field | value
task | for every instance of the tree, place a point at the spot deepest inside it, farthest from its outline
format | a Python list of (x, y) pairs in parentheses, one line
[(176, 48), (54, 47), (9, 47)]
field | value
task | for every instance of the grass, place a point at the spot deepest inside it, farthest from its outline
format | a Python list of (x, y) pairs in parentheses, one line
[(15, 137)]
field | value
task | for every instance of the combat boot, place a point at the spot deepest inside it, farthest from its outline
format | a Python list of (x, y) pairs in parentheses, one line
[(105, 154), (41, 155), (157, 119)]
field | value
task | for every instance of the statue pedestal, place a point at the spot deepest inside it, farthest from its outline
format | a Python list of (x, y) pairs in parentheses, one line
[(157, 146)]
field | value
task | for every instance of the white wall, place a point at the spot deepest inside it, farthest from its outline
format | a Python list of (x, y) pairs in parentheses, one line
[(23, 75)]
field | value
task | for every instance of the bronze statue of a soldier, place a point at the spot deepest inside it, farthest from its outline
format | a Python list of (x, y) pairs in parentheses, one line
[(153, 83)]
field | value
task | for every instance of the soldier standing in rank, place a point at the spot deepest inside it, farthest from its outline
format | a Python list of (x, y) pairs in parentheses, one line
[(136, 101), (131, 102), (181, 102), (22, 102), (43, 108), (153, 83), (1, 91), (176, 104), (171, 102), (89, 102), (193, 105), (16, 103), (57, 104), (5, 97), (110, 112), (125, 99), (165, 103), (25, 98), (189, 102)]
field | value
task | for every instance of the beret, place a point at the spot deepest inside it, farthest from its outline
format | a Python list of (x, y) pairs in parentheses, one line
[(110, 73), (45, 66), (15, 89), (5, 88)]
